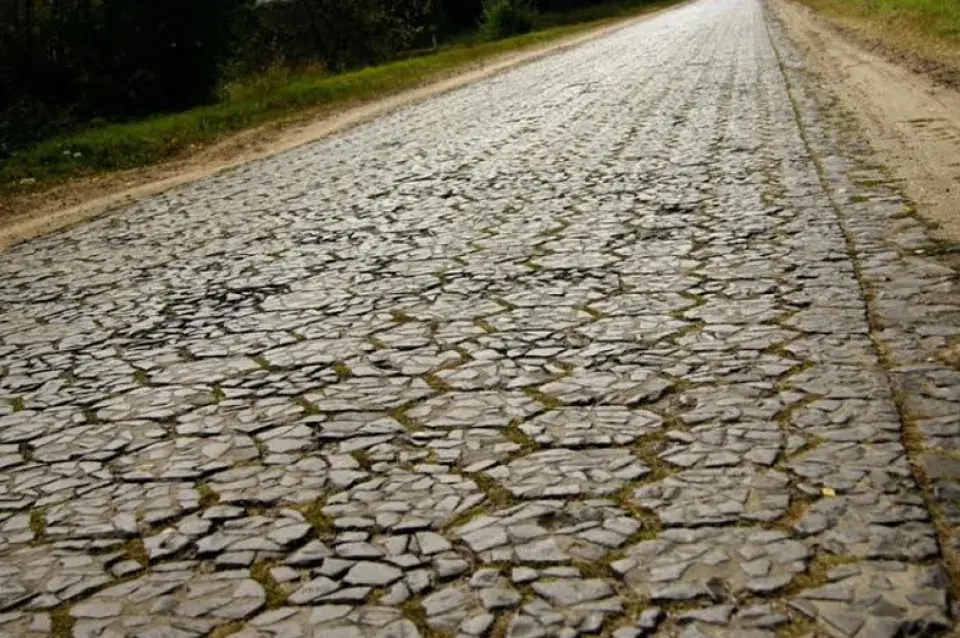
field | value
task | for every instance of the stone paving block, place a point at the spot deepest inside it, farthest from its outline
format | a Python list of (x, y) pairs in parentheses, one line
[(499, 367)]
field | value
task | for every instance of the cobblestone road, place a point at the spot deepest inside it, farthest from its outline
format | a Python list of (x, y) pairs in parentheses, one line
[(629, 341)]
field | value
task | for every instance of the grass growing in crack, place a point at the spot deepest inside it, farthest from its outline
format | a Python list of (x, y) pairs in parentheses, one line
[(38, 521), (436, 383), (276, 594), (484, 325), (16, 403), (795, 511), (400, 316), (141, 377), (817, 573), (595, 315), (363, 458), (497, 495), (400, 416), (376, 343), (544, 399), (208, 498), (413, 611), (342, 370), (648, 448), (61, 622), (313, 514), (218, 394), (950, 355), (228, 629), (650, 524), (261, 361), (514, 434), (136, 551), (797, 628), (307, 407)]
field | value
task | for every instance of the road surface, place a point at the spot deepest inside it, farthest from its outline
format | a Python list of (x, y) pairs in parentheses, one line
[(629, 341)]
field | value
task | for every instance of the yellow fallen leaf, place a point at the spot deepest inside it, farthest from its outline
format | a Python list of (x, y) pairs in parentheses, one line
[(829, 491)]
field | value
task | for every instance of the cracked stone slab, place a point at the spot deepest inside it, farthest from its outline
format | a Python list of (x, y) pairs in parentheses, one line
[(490, 409), (725, 337), (369, 394), (566, 605), (494, 373), (849, 421), (561, 472), (193, 604), (94, 441), (841, 382), (333, 620), (185, 458), (724, 445), (204, 371), (872, 524), (234, 416), (472, 450), (271, 534), (120, 509), (845, 465), (716, 496), (153, 403), (42, 485), (404, 501), (43, 577), (634, 330), (710, 564), (584, 387), (299, 482), (549, 531), (736, 311), (540, 318), (597, 426), (729, 403), (882, 598)]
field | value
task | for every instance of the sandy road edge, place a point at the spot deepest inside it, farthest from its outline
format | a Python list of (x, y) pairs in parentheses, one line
[(55, 215), (911, 122)]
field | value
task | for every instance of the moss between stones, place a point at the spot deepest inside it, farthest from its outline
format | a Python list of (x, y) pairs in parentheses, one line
[(276, 594), (135, 550), (61, 622)]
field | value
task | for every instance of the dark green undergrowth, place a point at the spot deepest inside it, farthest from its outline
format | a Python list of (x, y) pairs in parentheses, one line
[(270, 97)]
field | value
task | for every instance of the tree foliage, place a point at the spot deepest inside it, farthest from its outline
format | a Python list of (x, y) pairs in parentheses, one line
[(64, 63)]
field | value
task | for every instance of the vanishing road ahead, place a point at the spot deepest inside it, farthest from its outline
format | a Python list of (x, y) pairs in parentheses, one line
[(628, 341)]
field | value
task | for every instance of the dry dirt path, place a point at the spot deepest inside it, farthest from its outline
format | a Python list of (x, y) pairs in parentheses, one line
[(911, 121), (628, 341)]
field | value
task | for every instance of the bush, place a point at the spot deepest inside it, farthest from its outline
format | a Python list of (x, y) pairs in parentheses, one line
[(506, 18)]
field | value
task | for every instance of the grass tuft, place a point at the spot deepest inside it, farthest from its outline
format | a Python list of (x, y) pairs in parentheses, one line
[(313, 514), (208, 498), (61, 622), (276, 594), (136, 551)]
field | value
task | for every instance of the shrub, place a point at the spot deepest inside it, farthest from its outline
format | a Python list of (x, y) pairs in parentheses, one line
[(506, 18)]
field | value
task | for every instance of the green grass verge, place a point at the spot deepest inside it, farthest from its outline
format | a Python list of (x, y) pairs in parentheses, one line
[(260, 100), (927, 28)]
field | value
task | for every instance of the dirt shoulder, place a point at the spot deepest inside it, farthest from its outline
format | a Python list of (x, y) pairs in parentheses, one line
[(76, 200), (911, 120)]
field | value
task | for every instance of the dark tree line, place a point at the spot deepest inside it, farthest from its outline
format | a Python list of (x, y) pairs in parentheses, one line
[(67, 62)]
